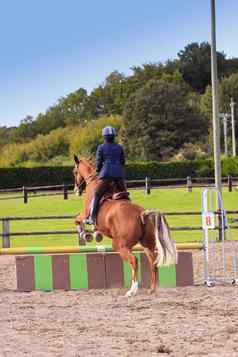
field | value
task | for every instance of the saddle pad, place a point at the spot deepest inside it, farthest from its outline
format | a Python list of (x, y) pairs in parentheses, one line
[(121, 196)]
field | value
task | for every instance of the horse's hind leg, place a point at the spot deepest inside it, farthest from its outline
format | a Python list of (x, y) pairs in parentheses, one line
[(125, 254), (151, 255)]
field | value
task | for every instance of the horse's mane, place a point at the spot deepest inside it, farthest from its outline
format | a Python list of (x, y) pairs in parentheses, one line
[(88, 162)]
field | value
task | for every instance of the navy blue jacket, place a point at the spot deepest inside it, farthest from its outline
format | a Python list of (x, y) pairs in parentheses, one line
[(110, 160)]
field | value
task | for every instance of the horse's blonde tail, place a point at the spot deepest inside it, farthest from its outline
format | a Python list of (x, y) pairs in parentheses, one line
[(166, 249)]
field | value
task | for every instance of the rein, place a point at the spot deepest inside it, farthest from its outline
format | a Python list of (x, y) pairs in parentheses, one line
[(87, 180), (90, 178)]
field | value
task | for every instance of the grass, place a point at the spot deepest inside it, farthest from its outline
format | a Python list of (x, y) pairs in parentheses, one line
[(166, 200)]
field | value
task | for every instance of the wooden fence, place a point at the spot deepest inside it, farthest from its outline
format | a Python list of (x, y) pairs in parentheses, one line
[(146, 184), (7, 234)]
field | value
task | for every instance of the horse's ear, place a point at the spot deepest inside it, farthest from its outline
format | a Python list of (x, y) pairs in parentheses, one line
[(76, 159)]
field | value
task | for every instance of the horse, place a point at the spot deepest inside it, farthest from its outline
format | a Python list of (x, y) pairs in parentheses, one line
[(127, 224)]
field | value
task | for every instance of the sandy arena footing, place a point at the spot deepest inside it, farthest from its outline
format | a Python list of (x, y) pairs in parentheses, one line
[(192, 321)]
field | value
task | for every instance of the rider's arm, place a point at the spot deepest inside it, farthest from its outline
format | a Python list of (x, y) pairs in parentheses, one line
[(99, 158), (122, 157)]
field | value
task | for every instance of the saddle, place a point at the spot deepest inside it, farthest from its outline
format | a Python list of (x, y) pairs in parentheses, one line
[(115, 196)]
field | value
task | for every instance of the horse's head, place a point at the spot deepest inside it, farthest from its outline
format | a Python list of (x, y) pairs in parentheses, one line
[(84, 173), (79, 182)]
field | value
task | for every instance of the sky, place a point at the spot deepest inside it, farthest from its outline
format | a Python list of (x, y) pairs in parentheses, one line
[(50, 48)]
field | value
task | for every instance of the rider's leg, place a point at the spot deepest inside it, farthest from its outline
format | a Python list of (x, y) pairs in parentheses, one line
[(120, 185), (100, 190)]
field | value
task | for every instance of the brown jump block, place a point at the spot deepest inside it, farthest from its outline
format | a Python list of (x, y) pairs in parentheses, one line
[(60, 270), (96, 271), (184, 269), (113, 271), (25, 273)]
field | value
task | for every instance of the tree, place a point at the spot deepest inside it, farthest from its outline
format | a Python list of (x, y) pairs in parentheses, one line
[(231, 66), (109, 98), (26, 130), (53, 118), (6, 135), (206, 103), (69, 110), (73, 107), (195, 65), (206, 109), (158, 120), (85, 140), (229, 88)]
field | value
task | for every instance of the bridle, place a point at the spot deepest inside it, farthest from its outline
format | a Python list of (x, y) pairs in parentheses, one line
[(90, 178), (86, 181)]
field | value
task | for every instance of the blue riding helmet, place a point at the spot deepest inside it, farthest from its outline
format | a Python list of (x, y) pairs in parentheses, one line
[(109, 131)]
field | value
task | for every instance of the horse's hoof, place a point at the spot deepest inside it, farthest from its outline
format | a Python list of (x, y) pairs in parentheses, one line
[(151, 291), (128, 294), (88, 237), (98, 237), (133, 290)]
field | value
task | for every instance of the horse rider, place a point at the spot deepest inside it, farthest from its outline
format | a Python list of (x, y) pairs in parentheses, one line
[(110, 162)]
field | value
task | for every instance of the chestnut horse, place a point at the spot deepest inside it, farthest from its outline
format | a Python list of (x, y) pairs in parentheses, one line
[(127, 224)]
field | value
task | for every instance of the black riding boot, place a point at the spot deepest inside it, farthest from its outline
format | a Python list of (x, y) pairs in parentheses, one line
[(93, 211), (94, 208)]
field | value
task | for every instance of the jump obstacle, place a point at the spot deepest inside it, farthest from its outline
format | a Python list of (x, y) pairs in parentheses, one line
[(220, 252), (95, 270), (71, 267), (82, 249), (99, 267)]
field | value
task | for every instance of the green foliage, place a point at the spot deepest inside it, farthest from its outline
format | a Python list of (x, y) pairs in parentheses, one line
[(69, 110), (230, 166), (13, 154), (195, 65), (229, 88), (107, 99), (159, 119), (34, 176), (6, 135), (42, 149), (161, 102), (58, 146), (163, 170), (191, 152), (46, 147), (231, 66), (21, 176), (26, 130), (85, 140), (206, 103)]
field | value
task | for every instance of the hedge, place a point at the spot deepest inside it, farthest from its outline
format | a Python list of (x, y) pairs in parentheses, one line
[(40, 176)]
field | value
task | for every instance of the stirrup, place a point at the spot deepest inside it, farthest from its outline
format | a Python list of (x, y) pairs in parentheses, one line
[(88, 221)]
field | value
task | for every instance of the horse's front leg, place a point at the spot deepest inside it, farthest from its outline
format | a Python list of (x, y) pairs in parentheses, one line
[(79, 222), (83, 235)]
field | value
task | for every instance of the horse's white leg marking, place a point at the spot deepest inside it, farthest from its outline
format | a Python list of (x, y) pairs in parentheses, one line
[(133, 289)]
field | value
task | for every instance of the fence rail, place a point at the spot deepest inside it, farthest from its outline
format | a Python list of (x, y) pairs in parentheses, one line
[(7, 234), (147, 184)]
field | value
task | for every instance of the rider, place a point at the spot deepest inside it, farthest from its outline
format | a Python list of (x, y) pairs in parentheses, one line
[(110, 161)]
